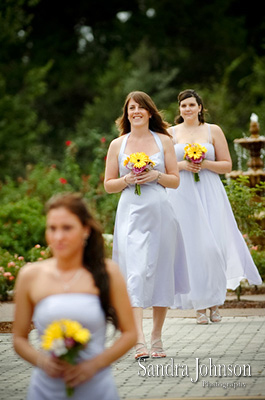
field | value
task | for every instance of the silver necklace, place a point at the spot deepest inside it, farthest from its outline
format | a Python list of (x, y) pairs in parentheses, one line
[(66, 285)]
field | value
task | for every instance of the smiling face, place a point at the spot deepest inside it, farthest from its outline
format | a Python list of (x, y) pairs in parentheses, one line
[(189, 109), (65, 233), (137, 114)]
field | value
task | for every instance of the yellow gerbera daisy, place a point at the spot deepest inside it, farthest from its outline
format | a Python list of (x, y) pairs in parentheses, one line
[(82, 336), (194, 151), (126, 161), (53, 331), (139, 159)]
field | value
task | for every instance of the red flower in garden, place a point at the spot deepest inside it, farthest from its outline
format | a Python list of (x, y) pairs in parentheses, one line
[(103, 140), (63, 181), (68, 142)]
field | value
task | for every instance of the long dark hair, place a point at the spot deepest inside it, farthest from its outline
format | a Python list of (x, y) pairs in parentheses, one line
[(93, 256), (156, 122), (185, 95)]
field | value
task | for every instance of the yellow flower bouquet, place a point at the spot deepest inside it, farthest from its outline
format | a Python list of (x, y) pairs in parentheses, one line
[(138, 163), (64, 339), (195, 153)]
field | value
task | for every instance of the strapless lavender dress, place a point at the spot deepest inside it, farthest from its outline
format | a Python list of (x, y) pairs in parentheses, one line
[(86, 309)]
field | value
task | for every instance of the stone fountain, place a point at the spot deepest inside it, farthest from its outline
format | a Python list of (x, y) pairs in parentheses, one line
[(255, 172), (254, 143)]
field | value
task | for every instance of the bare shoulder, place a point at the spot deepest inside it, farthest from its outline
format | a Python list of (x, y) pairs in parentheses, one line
[(175, 128), (116, 278), (115, 145), (165, 139), (31, 270), (216, 130), (112, 268)]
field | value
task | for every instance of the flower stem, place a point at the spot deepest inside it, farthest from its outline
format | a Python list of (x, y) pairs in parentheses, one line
[(69, 391), (196, 177), (137, 189)]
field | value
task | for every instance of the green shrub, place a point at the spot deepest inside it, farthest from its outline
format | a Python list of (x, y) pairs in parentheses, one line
[(259, 260), (23, 225), (246, 205), (11, 264)]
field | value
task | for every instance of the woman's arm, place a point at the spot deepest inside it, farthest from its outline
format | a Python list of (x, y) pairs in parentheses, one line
[(223, 162), (171, 178), (77, 374), (112, 182), (24, 308)]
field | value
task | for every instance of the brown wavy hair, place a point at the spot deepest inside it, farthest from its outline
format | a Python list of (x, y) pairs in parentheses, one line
[(93, 256), (185, 95), (156, 122)]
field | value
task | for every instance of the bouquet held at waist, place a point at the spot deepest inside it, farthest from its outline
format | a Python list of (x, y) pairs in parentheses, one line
[(195, 153), (64, 339), (138, 163)]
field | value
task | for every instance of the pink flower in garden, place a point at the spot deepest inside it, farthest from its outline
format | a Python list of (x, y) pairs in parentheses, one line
[(7, 274), (20, 258), (63, 181), (11, 264), (37, 246), (2, 269), (103, 140), (42, 253), (254, 248), (68, 142), (11, 278)]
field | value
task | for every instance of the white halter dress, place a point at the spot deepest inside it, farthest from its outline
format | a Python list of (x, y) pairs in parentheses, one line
[(218, 257), (147, 244)]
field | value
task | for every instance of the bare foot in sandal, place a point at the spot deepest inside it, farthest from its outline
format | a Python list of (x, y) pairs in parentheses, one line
[(141, 351), (157, 350)]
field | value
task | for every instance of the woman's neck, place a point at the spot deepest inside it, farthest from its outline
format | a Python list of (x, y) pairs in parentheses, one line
[(139, 132), (69, 263), (191, 124)]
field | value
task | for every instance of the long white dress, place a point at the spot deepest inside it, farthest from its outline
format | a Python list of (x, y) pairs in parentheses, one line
[(218, 257), (86, 309), (147, 242)]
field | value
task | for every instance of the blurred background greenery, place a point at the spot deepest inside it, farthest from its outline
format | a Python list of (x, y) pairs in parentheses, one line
[(65, 70), (66, 67)]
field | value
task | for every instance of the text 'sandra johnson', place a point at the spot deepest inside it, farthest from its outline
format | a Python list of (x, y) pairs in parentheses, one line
[(173, 369)]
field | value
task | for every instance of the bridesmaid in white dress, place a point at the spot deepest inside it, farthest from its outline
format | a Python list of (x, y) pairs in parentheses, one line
[(145, 234), (217, 255), (80, 285)]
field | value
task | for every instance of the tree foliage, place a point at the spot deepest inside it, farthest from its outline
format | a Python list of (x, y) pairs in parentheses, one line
[(65, 69)]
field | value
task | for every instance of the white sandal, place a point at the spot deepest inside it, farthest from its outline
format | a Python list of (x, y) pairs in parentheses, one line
[(140, 351), (157, 350), (201, 318), (215, 315)]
